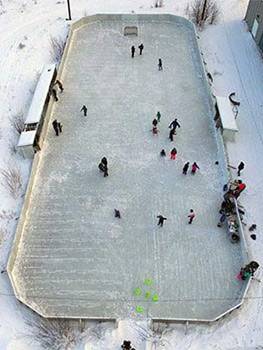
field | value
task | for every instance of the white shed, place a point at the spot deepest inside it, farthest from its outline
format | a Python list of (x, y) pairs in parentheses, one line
[(227, 117), (28, 142)]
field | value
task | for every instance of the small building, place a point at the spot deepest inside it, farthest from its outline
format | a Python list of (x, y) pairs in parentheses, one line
[(225, 118), (254, 20), (31, 138)]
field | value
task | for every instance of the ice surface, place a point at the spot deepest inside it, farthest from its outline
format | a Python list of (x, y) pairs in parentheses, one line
[(75, 258)]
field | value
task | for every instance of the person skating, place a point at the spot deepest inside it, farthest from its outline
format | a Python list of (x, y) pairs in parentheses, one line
[(185, 168), (103, 168), (84, 109), (55, 126), (155, 122), (54, 94), (171, 134), (160, 64), (60, 86), (241, 166), (158, 116), (252, 228), (117, 213), (155, 130), (132, 51), (173, 153), (194, 168), (162, 153), (191, 216), (161, 220), (104, 161), (174, 124), (141, 47)]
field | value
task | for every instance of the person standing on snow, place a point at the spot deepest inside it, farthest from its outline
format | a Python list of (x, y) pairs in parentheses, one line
[(160, 64), (173, 153), (191, 216), (158, 116), (194, 168), (141, 47), (185, 168), (161, 220), (132, 51), (241, 166), (84, 109)]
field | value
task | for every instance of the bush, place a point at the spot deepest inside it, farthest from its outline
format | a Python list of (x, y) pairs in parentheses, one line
[(52, 334), (11, 179), (17, 122), (57, 46), (203, 11)]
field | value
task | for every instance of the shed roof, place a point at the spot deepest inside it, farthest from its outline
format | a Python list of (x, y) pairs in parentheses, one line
[(26, 138), (226, 113), (40, 94)]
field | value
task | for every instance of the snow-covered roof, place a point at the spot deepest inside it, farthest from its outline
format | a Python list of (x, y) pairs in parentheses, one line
[(40, 94), (26, 138), (226, 113)]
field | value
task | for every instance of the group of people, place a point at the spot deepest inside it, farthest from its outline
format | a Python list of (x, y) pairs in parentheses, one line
[(126, 345), (173, 126), (161, 218), (248, 270), (141, 47)]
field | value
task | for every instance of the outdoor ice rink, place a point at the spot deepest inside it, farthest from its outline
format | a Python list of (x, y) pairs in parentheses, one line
[(75, 258)]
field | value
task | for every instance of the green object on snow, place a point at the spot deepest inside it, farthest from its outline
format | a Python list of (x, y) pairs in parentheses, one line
[(148, 281), (138, 292), (155, 298), (247, 274), (147, 295), (139, 309)]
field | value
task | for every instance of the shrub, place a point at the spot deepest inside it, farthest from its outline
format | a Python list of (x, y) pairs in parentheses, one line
[(203, 11), (52, 334), (11, 179), (17, 122), (57, 46)]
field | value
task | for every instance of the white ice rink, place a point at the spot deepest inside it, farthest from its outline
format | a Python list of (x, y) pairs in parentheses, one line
[(76, 259)]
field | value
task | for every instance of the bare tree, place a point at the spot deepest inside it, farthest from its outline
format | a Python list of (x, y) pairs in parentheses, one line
[(11, 179), (17, 122), (51, 334), (57, 46), (203, 11)]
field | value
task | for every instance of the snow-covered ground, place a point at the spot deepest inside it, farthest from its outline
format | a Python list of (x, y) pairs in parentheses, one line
[(233, 59)]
